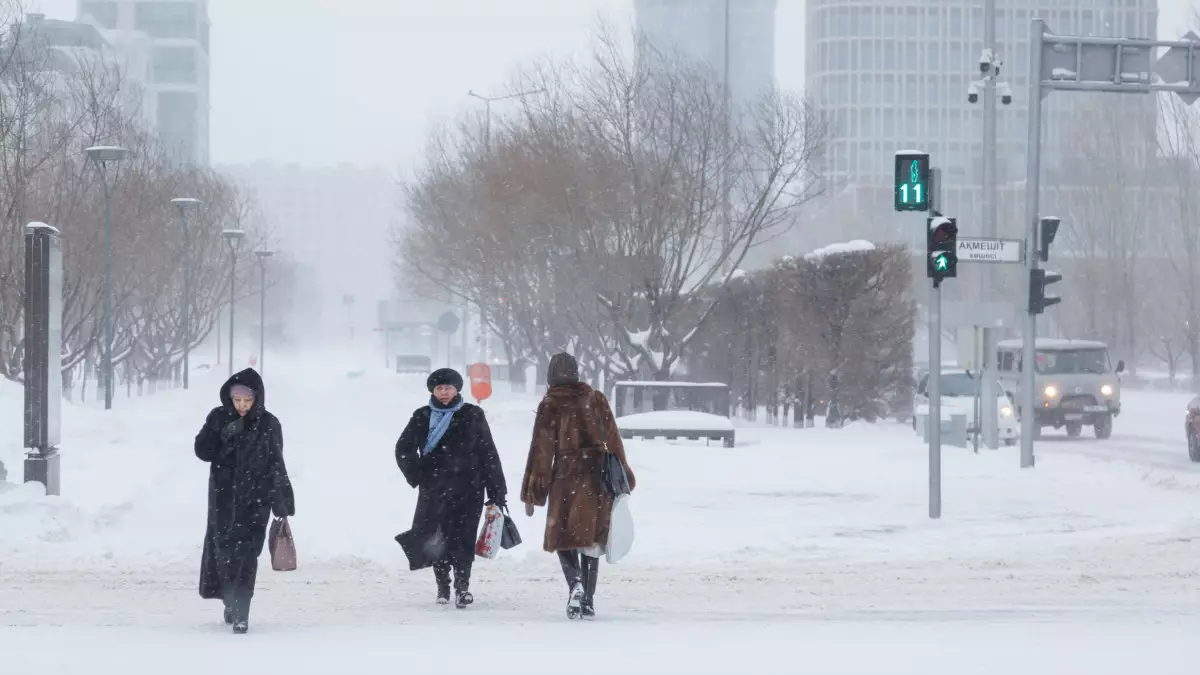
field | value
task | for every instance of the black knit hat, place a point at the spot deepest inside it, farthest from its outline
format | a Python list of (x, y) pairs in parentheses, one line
[(564, 369), (444, 376)]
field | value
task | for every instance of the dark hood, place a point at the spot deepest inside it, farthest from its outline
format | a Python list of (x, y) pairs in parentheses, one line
[(564, 369), (250, 378)]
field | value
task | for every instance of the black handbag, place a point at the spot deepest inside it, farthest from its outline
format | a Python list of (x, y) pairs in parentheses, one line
[(612, 473), (510, 537)]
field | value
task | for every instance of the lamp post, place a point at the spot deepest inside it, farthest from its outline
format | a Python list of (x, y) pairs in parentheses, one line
[(101, 156), (262, 255), (183, 205), (234, 239), (487, 146)]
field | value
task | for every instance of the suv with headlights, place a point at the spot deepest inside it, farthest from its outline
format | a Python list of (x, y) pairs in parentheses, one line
[(1074, 380)]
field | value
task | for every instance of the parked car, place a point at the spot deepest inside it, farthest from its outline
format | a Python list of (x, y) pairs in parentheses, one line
[(1075, 384), (958, 391), (1191, 428)]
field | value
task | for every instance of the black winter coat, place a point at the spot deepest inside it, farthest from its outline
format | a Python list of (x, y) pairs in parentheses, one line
[(451, 480), (247, 479)]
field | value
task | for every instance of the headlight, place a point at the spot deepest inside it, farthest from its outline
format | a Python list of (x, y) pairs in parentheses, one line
[(1051, 391), (1006, 411), (1106, 390)]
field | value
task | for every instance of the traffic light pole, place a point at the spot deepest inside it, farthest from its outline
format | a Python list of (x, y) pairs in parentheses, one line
[(934, 420), (1033, 165), (988, 421)]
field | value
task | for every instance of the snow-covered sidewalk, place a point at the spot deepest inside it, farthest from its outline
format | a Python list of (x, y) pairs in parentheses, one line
[(796, 547)]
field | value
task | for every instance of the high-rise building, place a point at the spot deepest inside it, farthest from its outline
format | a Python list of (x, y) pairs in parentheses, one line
[(697, 28), (894, 74), (176, 96)]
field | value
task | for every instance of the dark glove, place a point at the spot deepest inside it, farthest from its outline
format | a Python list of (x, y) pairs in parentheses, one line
[(280, 512), (232, 429)]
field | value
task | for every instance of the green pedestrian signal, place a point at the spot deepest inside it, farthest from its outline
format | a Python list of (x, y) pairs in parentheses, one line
[(912, 181), (941, 249)]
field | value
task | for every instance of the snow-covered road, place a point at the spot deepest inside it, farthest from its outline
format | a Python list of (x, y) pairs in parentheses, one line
[(801, 544)]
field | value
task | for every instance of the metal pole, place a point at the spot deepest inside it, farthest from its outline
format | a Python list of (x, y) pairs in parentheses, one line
[(727, 119), (1032, 187), (232, 283), (108, 319), (262, 320), (988, 417), (934, 420), (483, 336), (187, 298)]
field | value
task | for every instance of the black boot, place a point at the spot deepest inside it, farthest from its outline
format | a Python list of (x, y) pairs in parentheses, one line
[(570, 566), (241, 613), (441, 574), (462, 582), (591, 570)]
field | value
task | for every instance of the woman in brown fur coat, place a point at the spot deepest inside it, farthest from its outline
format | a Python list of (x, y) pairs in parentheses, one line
[(574, 427)]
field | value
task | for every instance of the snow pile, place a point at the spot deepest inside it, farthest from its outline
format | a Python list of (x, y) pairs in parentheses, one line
[(681, 420), (855, 246)]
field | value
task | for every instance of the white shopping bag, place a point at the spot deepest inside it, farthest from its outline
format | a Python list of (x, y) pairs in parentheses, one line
[(620, 530), (488, 544)]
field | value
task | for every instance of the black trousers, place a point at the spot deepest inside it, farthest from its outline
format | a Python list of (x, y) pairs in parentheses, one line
[(462, 574)]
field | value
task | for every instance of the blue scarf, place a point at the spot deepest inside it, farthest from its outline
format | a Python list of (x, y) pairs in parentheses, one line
[(439, 422)]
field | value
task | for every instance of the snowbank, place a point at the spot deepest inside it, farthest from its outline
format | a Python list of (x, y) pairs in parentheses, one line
[(682, 420)]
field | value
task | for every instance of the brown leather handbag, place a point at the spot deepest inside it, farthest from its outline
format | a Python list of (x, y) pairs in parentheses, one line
[(282, 546)]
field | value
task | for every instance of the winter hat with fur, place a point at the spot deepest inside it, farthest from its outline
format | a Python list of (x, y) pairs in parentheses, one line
[(564, 369), (444, 376)]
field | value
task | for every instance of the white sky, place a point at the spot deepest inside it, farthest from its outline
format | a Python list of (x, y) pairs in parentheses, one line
[(322, 82)]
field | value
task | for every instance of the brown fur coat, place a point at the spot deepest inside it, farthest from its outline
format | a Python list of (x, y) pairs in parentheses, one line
[(573, 423)]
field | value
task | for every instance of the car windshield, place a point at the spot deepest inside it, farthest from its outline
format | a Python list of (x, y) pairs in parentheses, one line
[(959, 384), (1065, 362)]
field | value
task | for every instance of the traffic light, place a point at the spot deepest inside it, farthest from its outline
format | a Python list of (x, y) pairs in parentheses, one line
[(941, 245), (1046, 233), (1038, 281), (912, 181)]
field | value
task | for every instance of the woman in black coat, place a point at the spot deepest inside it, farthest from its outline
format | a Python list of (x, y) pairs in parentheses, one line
[(447, 452), (247, 480)]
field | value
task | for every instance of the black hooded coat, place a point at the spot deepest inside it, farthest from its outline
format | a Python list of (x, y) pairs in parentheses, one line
[(247, 479), (451, 480)]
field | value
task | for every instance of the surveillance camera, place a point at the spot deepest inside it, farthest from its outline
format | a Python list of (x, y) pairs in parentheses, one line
[(985, 61), (973, 93), (1005, 93)]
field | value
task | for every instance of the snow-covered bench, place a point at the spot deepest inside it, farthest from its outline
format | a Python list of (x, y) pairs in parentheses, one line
[(673, 424)]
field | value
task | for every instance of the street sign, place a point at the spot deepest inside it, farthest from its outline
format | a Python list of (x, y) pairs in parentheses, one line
[(1178, 65), (448, 322), (990, 250)]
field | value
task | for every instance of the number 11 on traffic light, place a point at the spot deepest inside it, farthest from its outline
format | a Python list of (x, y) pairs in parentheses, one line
[(912, 181)]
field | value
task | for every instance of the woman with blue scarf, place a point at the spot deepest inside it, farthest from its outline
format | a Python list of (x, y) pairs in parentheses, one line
[(447, 452)]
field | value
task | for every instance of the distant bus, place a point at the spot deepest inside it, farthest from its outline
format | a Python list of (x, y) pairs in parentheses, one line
[(414, 363)]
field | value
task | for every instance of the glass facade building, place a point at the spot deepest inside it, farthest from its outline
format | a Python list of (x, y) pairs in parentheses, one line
[(894, 74)]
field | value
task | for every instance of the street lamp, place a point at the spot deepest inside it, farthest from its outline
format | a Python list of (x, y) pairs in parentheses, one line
[(101, 156), (487, 101), (183, 205), (262, 255), (487, 146), (234, 239)]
